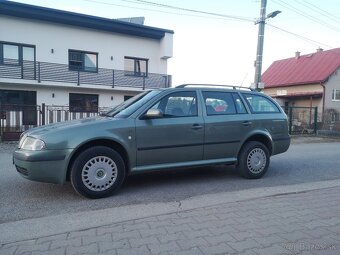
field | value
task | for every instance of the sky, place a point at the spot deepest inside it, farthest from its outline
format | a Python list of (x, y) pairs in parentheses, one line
[(218, 50)]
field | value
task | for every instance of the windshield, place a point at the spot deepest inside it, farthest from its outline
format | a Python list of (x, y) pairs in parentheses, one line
[(128, 107)]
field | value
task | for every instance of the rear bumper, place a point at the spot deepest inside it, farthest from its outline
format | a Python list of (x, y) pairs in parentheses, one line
[(281, 145), (43, 166)]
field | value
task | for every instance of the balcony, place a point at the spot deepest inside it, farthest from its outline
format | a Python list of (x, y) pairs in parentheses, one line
[(53, 72)]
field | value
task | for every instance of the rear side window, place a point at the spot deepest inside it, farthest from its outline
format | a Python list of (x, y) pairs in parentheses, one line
[(219, 103), (239, 104), (260, 104)]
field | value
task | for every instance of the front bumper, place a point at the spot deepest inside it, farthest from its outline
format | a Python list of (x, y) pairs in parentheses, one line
[(43, 166)]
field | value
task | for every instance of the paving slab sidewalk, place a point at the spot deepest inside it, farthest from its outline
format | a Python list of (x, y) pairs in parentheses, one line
[(293, 219)]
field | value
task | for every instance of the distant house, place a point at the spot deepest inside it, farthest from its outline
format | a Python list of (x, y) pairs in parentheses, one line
[(311, 80), (76, 63)]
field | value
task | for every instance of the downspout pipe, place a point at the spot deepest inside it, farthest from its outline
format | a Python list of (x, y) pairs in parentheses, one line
[(323, 100)]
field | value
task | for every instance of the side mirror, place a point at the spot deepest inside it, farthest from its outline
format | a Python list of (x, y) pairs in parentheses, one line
[(153, 114)]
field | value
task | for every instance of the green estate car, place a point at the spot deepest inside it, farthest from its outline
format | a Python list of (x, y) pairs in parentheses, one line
[(190, 125)]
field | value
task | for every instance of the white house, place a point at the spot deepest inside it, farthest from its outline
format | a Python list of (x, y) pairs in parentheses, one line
[(60, 58)]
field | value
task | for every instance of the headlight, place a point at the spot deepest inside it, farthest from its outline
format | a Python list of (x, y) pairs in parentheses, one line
[(22, 138), (32, 144)]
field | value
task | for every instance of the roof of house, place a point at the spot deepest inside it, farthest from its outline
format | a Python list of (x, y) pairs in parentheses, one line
[(307, 69), (20, 10)]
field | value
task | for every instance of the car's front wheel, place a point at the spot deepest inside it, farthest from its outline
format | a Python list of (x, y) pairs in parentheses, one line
[(253, 160), (97, 172)]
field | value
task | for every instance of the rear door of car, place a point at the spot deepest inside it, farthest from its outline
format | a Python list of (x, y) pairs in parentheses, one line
[(267, 115), (227, 122), (175, 138)]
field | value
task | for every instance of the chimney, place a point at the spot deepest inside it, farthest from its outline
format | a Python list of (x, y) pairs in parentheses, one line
[(319, 49), (297, 54)]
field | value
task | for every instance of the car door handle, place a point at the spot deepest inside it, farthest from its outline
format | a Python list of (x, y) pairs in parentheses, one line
[(247, 123), (196, 126)]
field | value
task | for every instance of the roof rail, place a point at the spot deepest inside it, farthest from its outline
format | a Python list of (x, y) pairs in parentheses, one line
[(214, 85)]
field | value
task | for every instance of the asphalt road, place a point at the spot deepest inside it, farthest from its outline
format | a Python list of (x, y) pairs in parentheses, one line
[(24, 199)]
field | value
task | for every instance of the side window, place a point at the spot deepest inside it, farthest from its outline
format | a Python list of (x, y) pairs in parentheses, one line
[(239, 104), (10, 54), (15, 54), (136, 66), (178, 104), (219, 103), (336, 95), (82, 61), (260, 104), (127, 98), (83, 102)]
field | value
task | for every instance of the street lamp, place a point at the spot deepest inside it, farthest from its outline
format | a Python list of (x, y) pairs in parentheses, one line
[(259, 53), (273, 14)]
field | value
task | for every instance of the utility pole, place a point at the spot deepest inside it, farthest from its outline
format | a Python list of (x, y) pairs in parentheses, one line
[(260, 39), (258, 63)]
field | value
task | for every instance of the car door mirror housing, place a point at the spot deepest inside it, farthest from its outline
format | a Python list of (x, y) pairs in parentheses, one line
[(153, 114)]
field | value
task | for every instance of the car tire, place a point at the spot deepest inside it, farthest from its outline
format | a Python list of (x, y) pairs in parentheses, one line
[(97, 172), (253, 160)]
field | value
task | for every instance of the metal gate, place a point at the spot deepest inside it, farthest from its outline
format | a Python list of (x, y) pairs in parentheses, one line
[(58, 113), (303, 120), (15, 119)]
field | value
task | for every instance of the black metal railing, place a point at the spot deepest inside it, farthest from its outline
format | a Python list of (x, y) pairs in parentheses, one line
[(53, 72)]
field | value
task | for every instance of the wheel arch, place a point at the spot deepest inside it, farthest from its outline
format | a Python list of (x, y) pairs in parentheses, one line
[(98, 142), (262, 138)]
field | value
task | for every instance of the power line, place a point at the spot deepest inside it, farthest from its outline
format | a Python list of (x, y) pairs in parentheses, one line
[(133, 7), (300, 36), (212, 15), (190, 10), (323, 12), (306, 15), (209, 17), (317, 10)]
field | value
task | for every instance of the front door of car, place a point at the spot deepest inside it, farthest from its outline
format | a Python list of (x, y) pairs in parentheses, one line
[(173, 138)]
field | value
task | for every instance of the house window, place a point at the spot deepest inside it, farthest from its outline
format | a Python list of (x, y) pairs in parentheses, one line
[(127, 97), (83, 102), (15, 54), (136, 66), (20, 101), (336, 95), (10, 54), (28, 53), (82, 61), (17, 97)]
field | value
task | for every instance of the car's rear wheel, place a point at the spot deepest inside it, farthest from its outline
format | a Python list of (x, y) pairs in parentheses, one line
[(253, 160), (97, 172)]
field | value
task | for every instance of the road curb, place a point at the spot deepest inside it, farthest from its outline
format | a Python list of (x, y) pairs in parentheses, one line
[(52, 225)]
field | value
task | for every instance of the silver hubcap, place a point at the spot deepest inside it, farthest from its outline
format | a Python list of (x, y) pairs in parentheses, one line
[(256, 161), (99, 173)]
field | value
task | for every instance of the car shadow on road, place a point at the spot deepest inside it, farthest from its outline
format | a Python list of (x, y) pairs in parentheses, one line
[(181, 176)]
